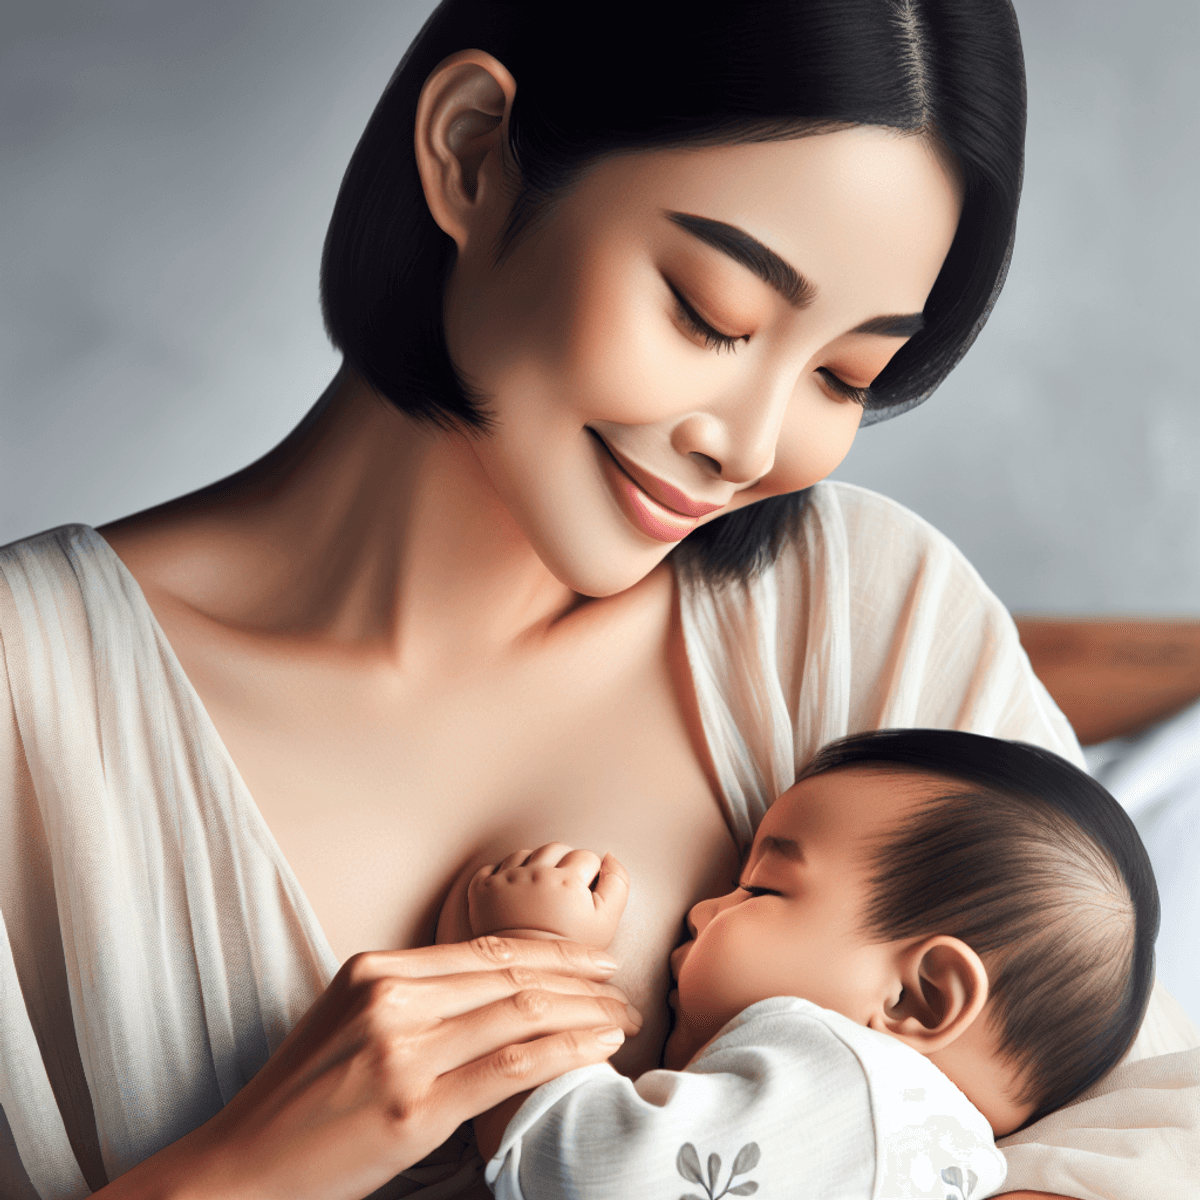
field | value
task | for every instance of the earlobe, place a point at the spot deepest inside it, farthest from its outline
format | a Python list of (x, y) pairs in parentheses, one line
[(944, 987), (460, 138)]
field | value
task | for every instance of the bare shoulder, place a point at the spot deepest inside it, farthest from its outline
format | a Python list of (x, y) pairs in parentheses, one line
[(193, 551), (153, 542)]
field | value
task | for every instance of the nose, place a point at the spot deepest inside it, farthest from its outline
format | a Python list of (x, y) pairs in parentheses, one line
[(700, 915), (736, 439)]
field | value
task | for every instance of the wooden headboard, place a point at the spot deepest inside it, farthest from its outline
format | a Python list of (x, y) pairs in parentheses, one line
[(1114, 676)]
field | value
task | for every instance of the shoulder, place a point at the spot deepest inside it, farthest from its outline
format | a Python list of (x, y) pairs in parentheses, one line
[(885, 542), (43, 571), (61, 597), (926, 1130), (50, 550)]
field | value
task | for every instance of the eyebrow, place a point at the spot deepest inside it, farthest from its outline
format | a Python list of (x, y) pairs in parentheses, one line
[(779, 274), (785, 847)]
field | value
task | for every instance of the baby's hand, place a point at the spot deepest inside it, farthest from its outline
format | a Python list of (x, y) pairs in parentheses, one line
[(548, 893)]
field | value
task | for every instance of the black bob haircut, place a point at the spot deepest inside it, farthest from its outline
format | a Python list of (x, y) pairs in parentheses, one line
[(1032, 864), (662, 73)]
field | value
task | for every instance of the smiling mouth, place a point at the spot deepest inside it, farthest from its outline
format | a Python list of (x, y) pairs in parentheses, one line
[(650, 514)]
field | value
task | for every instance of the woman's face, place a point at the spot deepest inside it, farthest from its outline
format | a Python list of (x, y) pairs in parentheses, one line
[(682, 332)]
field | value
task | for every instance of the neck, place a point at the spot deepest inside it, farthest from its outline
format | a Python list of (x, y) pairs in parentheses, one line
[(973, 1063), (370, 528)]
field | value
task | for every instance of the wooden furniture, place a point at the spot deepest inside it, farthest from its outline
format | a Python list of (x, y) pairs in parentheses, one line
[(1114, 675)]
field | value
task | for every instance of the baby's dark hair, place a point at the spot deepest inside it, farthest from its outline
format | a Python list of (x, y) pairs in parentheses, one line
[(1040, 871)]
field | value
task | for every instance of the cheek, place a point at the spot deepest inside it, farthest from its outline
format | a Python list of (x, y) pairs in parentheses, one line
[(623, 355), (815, 437), (720, 973)]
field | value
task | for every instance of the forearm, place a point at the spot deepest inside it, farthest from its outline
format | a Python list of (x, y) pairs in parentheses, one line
[(189, 1169)]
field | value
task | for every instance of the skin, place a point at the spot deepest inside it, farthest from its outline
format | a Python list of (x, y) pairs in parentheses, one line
[(359, 610)]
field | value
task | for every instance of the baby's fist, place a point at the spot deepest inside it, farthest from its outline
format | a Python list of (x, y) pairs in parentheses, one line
[(550, 893)]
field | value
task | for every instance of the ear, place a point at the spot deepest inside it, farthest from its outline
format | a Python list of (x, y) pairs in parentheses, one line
[(461, 138), (943, 987)]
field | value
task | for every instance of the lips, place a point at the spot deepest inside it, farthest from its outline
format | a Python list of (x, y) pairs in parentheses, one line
[(658, 509), (675, 961)]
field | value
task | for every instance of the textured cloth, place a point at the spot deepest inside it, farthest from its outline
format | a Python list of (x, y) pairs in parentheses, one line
[(790, 1098), (155, 946), (1156, 777)]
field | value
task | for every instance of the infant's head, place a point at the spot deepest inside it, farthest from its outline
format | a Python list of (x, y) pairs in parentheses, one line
[(983, 901)]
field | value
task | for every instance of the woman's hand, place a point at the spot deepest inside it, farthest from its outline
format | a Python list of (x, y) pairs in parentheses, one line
[(400, 1049)]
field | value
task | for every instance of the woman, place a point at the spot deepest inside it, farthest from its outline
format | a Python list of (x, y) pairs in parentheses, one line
[(621, 294)]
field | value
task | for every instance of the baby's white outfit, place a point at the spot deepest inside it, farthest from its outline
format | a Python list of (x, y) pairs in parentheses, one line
[(790, 1100)]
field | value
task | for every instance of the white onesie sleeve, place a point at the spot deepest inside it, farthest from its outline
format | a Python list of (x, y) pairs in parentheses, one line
[(789, 1100)]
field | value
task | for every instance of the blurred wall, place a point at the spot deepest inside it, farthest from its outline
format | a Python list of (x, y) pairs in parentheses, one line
[(167, 170)]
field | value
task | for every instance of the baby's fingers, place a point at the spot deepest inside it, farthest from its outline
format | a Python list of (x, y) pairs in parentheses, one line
[(612, 888), (582, 864), (548, 855), (515, 859)]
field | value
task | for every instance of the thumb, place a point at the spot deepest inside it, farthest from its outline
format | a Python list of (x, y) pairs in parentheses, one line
[(612, 886)]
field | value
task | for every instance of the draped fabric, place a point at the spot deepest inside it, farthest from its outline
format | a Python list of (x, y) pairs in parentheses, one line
[(155, 946)]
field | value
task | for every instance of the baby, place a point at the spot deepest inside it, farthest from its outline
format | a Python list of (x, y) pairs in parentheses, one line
[(936, 937)]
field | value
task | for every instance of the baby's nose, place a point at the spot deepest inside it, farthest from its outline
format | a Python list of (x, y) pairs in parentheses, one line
[(699, 915)]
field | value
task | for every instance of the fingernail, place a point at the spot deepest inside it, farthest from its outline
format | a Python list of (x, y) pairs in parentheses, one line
[(633, 1014), (612, 1036), (603, 961)]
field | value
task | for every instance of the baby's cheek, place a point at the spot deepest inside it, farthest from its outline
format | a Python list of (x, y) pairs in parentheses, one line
[(714, 985)]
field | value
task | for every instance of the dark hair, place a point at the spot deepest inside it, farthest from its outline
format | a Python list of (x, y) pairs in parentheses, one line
[(1041, 872), (640, 75)]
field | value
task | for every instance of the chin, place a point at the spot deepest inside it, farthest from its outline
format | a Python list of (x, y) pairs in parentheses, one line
[(603, 566), (673, 1056)]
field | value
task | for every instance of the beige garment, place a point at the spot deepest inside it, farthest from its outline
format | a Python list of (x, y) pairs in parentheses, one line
[(161, 947)]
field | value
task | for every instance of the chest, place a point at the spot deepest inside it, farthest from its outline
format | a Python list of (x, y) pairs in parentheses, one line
[(382, 787)]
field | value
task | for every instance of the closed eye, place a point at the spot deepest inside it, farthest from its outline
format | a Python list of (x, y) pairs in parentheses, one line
[(713, 339), (858, 395), (759, 891)]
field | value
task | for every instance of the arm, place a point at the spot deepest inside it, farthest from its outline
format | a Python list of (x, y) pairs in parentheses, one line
[(554, 892)]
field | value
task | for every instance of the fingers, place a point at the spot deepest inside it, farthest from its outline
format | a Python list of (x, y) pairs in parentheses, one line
[(550, 855), (581, 864), (517, 1019), (493, 1078), (612, 888), (516, 859), (447, 996), (481, 954)]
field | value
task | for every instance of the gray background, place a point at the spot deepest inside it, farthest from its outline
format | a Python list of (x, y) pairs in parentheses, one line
[(167, 170)]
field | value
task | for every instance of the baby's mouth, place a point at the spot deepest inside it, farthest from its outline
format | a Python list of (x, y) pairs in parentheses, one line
[(678, 956)]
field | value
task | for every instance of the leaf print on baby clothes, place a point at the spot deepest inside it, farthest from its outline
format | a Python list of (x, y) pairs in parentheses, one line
[(687, 1163), (962, 1188)]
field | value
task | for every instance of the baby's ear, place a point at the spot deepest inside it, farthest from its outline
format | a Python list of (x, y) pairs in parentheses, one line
[(943, 988)]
